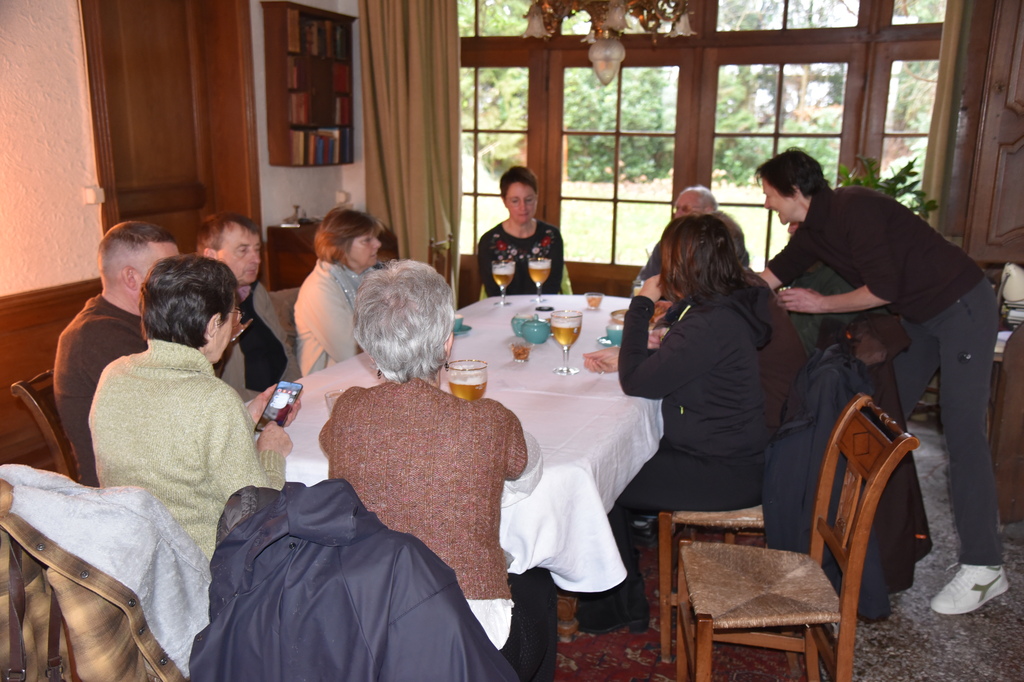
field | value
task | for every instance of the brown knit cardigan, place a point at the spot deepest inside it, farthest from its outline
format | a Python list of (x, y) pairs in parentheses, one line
[(433, 465)]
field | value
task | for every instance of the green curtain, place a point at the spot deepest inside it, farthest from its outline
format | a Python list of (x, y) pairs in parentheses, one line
[(935, 176), (410, 71)]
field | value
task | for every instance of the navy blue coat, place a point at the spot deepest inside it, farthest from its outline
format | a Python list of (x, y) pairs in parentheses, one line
[(314, 587)]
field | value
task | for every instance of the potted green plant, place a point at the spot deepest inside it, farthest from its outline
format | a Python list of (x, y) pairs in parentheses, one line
[(902, 184)]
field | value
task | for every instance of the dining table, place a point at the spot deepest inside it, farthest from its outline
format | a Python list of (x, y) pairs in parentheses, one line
[(592, 438)]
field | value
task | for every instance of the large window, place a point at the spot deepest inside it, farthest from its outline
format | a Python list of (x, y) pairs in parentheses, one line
[(839, 78)]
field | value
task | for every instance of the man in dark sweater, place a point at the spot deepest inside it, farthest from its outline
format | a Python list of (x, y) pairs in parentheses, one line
[(892, 257), (108, 327)]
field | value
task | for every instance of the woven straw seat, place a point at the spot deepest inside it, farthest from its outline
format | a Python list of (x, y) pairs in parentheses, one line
[(748, 519), (753, 587), (727, 593), (737, 519)]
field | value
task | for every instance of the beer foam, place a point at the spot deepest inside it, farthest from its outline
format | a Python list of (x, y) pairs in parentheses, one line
[(468, 378), (567, 322), (503, 268), (540, 265)]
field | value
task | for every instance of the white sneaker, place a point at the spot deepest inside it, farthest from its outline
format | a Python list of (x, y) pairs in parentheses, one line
[(971, 587)]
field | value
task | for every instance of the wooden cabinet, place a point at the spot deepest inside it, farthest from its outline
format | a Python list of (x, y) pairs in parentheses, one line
[(309, 85)]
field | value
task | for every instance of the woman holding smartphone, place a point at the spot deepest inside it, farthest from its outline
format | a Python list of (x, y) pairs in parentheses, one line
[(162, 420)]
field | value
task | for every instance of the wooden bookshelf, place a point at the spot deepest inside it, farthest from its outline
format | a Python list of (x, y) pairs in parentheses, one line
[(309, 85)]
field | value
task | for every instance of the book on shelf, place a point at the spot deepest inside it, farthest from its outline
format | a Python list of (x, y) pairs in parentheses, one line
[(343, 110), (294, 31), (342, 77), (298, 108)]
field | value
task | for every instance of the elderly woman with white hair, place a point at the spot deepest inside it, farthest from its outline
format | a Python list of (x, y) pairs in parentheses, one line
[(433, 465)]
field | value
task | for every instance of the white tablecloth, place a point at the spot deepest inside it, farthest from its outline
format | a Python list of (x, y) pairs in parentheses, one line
[(593, 438)]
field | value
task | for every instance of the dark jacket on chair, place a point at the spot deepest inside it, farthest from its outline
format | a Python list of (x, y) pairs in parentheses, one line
[(314, 587)]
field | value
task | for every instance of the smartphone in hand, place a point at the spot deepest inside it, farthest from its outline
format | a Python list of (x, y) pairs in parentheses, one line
[(280, 404)]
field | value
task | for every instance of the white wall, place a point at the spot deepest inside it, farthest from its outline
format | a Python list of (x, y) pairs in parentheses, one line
[(48, 235), (315, 189)]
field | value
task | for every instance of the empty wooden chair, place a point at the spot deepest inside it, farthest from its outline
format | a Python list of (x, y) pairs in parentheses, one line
[(751, 518), (728, 593), (37, 394)]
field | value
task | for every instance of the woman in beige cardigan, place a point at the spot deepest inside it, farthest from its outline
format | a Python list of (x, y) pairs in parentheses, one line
[(162, 420), (433, 465)]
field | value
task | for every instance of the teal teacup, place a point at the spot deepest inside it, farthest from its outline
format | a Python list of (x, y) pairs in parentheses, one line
[(459, 325), (613, 333)]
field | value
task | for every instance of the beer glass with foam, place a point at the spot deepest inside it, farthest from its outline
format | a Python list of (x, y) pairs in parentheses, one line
[(565, 327), (503, 271), (540, 270), (467, 379)]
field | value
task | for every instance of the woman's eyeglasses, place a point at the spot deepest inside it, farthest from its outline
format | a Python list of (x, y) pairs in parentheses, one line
[(237, 326)]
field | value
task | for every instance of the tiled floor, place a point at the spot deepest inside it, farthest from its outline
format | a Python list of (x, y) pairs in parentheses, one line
[(916, 643)]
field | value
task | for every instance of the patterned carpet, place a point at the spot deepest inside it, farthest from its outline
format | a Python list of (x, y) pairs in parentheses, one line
[(621, 656)]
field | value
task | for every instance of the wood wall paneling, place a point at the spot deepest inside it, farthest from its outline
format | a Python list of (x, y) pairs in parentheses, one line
[(30, 324)]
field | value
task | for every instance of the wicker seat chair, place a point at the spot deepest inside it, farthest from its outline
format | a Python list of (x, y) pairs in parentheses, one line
[(728, 593), (749, 519), (37, 394)]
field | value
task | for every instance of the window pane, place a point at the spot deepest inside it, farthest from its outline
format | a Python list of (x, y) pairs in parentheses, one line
[(750, 15), (649, 99), (645, 168), (822, 13), (502, 98), (812, 100), (746, 98), (824, 149), (467, 97), (918, 11), (587, 230), (468, 166), (638, 229), (586, 106), (467, 11), (736, 160), (911, 96), (505, 18), (496, 153), (467, 237), (589, 160), (753, 220), (899, 151)]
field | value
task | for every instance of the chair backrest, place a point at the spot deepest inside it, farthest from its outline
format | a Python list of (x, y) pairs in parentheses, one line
[(37, 394), (872, 444)]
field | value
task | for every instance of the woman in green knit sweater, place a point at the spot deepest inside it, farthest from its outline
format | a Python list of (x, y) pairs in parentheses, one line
[(162, 420)]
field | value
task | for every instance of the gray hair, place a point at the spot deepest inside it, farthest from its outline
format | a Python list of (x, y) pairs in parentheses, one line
[(403, 316), (707, 198)]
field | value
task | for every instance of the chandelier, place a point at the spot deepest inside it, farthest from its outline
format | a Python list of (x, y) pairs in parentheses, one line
[(608, 19)]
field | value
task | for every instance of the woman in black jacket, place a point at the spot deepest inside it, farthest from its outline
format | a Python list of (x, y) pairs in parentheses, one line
[(705, 371)]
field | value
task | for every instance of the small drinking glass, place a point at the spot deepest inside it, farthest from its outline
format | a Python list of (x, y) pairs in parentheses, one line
[(540, 270), (565, 327), (467, 379), (503, 271), (521, 350), (594, 299), (330, 398)]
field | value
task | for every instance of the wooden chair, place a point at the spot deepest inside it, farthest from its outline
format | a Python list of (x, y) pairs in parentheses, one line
[(727, 593), (37, 394), (749, 519)]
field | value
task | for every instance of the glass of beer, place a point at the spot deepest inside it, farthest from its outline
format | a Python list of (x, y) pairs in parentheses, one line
[(503, 271), (467, 379), (565, 327), (540, 270)]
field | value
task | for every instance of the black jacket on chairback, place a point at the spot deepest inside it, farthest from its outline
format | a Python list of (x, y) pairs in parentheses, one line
[(312, 586)]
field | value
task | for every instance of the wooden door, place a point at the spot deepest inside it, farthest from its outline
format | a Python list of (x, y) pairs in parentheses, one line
[(171, 89), (995, 204)]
